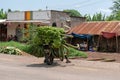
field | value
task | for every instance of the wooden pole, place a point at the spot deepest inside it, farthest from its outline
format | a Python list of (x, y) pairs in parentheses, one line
[(98, 42), (87, 44), (116, 43)]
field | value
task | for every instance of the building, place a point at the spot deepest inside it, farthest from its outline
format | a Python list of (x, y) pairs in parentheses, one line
[(3, 30), (24, 19), (105, 35), (52, 17)]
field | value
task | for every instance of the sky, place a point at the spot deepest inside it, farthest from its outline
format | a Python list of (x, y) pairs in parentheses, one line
[(83, 6)]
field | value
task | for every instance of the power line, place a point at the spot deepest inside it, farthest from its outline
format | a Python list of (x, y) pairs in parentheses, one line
[(82, 2), (87, 4), (78, 2)]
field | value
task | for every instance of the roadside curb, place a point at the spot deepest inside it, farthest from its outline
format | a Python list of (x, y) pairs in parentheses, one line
[(97, 64)]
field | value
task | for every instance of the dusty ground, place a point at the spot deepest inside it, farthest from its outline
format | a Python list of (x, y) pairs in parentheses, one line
[(14, 67), (96, 55), (108, 55)]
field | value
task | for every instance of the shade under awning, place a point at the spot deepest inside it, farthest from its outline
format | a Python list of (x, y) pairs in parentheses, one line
[(82, 36)]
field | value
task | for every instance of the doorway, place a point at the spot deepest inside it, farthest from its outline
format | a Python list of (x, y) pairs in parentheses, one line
[(3, 32)]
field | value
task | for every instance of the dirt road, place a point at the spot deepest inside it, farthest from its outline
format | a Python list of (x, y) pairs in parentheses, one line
[(32, 68)]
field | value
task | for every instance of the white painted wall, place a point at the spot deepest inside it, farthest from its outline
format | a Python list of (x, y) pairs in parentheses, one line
[(16, 16), (37, 15), (41, 15)]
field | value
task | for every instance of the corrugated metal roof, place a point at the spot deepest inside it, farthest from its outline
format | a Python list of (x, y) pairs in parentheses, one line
[(95, 28)]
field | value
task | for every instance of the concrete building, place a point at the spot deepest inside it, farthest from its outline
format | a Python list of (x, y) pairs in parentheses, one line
[(46, 16), (24, 19)]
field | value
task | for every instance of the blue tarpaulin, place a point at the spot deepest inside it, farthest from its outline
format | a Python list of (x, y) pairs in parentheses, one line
[(82, 36)]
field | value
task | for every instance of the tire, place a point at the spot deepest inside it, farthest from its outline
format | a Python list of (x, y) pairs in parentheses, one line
[(49, 59)]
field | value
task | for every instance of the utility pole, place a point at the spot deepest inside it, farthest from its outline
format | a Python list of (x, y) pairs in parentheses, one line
[(46, 7)]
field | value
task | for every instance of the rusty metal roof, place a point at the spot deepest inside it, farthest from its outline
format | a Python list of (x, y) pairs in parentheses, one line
[(95, 28)]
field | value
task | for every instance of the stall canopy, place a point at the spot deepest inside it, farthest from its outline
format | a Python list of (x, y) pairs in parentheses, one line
[(95, 28), (108, 35), (82, 36)]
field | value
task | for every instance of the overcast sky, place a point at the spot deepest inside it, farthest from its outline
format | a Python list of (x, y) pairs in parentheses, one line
[(83, 6)]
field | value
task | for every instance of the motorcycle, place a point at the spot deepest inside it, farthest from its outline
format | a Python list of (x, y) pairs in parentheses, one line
[(51, 53)]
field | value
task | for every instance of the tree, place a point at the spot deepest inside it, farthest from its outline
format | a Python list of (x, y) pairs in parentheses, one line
[(3, 15), (115, 11), (73, 12), (95, 17), (110, 18), (98, 17), (117, 17), (9, 10), (88, 17), (39, 9), (113, 17), (116, 6)]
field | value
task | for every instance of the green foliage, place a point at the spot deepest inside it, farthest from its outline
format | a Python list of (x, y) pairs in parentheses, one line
[(113, 17), (117, 16), (49, 36), (9, 50), (88, 17), (96, 17), (73, 12), (36, 50), (75, 53), (46, 35), (3, 15), (18, 45), (116, 6), (110, 18), (31, 31), (115, 11), (9, 10)]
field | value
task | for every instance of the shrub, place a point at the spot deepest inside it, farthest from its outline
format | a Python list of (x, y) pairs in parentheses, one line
[(13, 45), (75, 53), (10, 50)]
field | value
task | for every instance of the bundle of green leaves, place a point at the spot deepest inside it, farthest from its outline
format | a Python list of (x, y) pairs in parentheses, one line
[(47, 35)]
